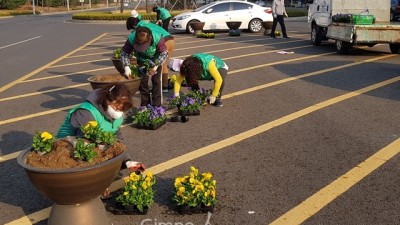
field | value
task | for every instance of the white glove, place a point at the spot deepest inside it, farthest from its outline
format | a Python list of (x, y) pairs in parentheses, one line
[(159, 22), (211, 99), (127, 72), (135, 166), (286, 15), (176, 95), (275, 16), (153, 70)]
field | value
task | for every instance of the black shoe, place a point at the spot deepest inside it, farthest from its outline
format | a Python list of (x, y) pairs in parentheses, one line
[(169, 87), (273, 36), (286, 37), (218, 102)]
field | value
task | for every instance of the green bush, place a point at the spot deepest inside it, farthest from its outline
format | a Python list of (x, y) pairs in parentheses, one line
[(114, 16), (11, 4), (294, 12)]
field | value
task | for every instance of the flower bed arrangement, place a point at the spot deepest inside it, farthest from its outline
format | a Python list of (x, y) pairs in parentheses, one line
[(195, 193), (342, 18), (150, 117), (96, 146), (205, 35), (137, 196), (190, 103)]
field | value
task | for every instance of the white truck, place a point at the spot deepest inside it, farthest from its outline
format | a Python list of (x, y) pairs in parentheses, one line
[(348, 34)]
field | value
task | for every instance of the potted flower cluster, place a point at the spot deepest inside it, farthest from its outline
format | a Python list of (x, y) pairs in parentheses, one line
[(342, 18), (195, 193), (102, 139), (116, 59), (150, 117), (73, 173), (205, 35), (137, 195), (190, 103)]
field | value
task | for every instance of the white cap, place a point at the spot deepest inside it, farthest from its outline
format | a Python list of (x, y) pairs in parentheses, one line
[(134, 14)]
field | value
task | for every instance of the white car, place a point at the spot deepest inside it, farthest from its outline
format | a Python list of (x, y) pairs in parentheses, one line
[(216, 14)]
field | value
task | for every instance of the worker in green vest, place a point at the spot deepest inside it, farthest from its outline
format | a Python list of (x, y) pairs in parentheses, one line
[(133, 19), (202, 66), (106, 106), (151, 52), (163, 16), (169, 43)]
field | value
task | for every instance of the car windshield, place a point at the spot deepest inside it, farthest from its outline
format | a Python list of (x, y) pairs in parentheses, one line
[(203, 7)]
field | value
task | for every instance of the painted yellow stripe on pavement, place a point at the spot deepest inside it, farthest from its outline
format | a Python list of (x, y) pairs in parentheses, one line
[(242, 136), (7, 86), (9, 156), (30, 116), (319, 200)]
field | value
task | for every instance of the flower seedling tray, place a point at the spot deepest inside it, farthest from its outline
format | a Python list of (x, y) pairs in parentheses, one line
[(152, 126), (189, 113), (199, 209)]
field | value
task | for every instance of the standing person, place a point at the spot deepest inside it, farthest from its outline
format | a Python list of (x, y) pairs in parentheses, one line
[(163, 16), (169, 42), (151, 52), (278, 11), (106, 106), (134, 18), (202, 66)]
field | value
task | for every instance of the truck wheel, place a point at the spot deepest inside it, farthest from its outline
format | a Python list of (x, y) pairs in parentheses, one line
[(342, 47), (394, 48), (316, 35)]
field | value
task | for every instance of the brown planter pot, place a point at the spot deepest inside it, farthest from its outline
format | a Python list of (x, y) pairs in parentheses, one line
[(96, 82), (233, 25), (75, 191), (197, 27), (267, 25)]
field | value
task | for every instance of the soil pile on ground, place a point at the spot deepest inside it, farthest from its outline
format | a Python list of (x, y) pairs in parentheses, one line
[(62, 156)]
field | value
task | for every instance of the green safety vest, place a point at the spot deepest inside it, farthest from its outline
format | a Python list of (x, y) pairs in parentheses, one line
[(164, 14), (205, 60), (151, 51), (67, 130)]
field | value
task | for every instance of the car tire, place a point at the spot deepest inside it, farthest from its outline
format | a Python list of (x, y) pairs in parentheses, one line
[(255, 25), (394, 48), (316, 35), (189, 28), (342, 47)]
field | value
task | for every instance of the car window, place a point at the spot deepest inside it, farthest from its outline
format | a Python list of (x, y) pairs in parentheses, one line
[(240, 6), (221, 7)]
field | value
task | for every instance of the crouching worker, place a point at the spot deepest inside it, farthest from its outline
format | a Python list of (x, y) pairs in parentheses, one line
[(203, 66), (106, 106)]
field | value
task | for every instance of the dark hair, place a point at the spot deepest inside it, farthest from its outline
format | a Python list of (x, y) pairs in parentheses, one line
[(141, 34), (131, 23), (191, 69), (118, 93), (155, 8)]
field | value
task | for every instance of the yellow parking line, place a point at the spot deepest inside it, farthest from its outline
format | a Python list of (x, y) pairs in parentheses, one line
[(319, 200), (260, 129), (7, 86)]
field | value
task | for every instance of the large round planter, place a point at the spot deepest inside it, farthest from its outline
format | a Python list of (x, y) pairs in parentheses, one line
[(119, 66), (267, 25), (75, 191), (233, 25), (97, 82), (197, 27)]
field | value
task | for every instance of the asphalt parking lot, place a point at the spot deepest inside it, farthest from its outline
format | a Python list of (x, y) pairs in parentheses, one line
[(309, 137)]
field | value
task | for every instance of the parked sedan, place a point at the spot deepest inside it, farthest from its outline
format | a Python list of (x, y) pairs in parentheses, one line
[(216, 14)]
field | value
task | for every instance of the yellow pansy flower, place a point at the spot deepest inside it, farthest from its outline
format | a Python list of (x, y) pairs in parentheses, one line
[(46, 136), (173, 77), (125, 193), (144, 185)]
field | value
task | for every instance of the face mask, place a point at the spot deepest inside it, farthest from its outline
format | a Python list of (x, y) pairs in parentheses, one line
[(114, 113)]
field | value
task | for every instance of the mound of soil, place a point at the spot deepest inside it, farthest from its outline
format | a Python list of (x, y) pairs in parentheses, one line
[(62, 156), (109, 78)]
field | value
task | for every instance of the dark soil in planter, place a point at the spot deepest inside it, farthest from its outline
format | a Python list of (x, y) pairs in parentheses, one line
[(62, 156), (110, 78)]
